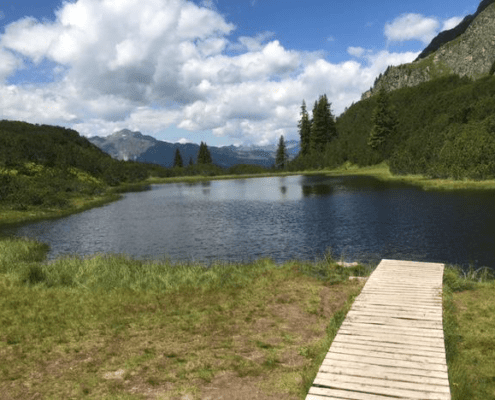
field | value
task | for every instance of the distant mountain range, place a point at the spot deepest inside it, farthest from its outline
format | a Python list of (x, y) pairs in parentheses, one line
[(127, 145)]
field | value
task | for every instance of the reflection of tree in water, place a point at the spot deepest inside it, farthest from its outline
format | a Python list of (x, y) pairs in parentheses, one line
[(317, 190), (283, 189)]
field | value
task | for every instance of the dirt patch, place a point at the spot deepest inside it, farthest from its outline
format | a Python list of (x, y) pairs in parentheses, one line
[(228, 386)]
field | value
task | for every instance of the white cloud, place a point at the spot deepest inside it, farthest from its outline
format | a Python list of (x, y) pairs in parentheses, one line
[(411, 27), (451, 23), (8, 64), (184, 141), (149, 65), (356, 51)]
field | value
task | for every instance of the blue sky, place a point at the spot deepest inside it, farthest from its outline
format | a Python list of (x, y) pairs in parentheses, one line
[(220, 71)]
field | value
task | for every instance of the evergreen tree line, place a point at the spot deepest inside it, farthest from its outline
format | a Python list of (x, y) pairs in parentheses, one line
[(316, 133), (204, 157), (444, 128)]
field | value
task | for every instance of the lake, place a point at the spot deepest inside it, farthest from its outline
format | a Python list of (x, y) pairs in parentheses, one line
[(283, 218)]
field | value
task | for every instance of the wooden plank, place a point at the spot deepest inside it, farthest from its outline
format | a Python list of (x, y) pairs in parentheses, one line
[(412, 354), (394, 302), (369, 359), (335, 379), (382, 373), (429, 302), (391, 338), (421, 332), (362, 366), (391, 343), (376, 319), (412, 349), (346, 351), (326, 394), (406, 312), (396, 313), (378, 390)]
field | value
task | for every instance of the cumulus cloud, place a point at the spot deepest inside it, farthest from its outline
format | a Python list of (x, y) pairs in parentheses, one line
[(150, 64), (356, 51), (412, 27), (451, 23)]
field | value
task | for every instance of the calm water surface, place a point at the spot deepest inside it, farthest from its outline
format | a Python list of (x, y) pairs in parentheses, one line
[(283, 218)]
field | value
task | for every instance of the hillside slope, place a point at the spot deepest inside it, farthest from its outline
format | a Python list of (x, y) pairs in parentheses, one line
[(446, 129), (47, 166), (467, 50)]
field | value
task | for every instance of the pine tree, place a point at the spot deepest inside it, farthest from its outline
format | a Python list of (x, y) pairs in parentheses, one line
[(323, 129), (204, 156), (191, 162), (281, 158), (177, 159), (383, 124), (304, 130), (207, 155)]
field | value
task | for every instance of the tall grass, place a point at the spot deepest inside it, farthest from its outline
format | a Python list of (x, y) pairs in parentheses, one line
[(21, 258), (455, 279)]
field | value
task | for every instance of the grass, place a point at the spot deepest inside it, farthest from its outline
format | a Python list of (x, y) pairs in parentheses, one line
[(382, 172), (109, 326), (113, 327), (469, 330)]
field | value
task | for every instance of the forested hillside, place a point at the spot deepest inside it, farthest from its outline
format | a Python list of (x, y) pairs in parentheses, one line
[(43, 165), (444, 128)]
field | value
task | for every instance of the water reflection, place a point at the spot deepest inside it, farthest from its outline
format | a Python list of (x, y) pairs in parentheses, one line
[(317, 190)]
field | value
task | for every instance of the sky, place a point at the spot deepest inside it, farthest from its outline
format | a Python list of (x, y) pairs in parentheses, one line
[(219, 71)]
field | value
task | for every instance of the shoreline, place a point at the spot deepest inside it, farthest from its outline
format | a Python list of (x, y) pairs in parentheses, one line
[(381, 172)]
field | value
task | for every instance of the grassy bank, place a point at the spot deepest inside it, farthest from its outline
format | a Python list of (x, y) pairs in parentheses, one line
[(382, 172), (113, 327), (469, 329), (75, 204), (379, 171)]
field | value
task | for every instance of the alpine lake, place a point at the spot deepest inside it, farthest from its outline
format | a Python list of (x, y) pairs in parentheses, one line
[(357, 218)]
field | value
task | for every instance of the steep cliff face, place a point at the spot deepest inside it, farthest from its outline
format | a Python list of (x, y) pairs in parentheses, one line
[(470, 53)]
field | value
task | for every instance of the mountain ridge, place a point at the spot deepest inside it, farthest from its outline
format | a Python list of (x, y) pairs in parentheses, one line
[(129, 145), (466, 50)]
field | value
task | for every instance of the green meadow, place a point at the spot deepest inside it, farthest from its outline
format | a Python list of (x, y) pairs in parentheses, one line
[(108, 326)]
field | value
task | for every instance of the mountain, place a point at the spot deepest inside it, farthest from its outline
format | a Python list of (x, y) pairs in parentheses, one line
[(127, 145), (466, 50)]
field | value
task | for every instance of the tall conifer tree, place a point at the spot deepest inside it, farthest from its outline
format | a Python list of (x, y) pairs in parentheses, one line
[(323, 129), (178, 159), (383, 124), (281, 158), (304, 130), (204, 156)]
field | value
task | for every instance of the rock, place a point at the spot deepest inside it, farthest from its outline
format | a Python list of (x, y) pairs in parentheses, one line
[(346, 264)]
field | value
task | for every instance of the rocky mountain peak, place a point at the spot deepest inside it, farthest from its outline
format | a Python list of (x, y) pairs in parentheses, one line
[(451, 34), (467, 50)]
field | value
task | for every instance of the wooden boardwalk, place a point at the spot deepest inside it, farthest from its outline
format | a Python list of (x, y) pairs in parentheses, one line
[(390, 345)]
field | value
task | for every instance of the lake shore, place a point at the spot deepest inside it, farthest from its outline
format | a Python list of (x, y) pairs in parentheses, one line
[(106, 326), (382, 172)]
